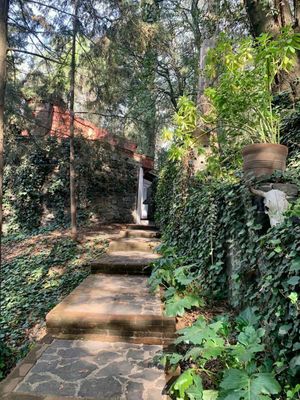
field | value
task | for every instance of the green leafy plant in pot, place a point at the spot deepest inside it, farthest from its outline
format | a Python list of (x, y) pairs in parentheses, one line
[(241, 100)]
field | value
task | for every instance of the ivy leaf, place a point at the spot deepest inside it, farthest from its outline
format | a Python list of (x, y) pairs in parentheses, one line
[(293, 297), (294, 280), (295, 365), (278, 249), (284, 329), (295, 266)]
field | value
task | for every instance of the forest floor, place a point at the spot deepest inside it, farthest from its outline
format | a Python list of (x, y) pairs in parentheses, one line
[(37, 272)]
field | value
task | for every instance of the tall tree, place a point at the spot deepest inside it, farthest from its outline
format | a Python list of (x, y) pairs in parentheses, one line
[(4, 5), (73, 206), (151, 15), (271, 17), (208, 36)]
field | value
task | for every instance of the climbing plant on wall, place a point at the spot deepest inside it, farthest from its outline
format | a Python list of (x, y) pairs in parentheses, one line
[(222, 249)]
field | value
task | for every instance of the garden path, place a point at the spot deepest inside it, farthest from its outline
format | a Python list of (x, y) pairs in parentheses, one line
[(102, 338)]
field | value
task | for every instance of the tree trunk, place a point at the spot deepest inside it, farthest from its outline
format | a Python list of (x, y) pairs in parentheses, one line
[(4, 4), (271, 17), (151, 15), (208, 42), (73, 205)]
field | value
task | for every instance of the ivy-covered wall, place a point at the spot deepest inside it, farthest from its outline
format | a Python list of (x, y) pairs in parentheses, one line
[(219, 231), (37, 182)]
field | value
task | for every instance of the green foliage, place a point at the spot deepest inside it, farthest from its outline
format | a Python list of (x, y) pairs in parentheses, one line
[(33, 282), (176, 305), (36, 181), (183, 138), (243, 373), (242, 99), (216, 245), (240, 385), (189, 382)]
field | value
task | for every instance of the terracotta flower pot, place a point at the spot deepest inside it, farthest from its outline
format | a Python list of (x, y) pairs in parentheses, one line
[(264, 159)]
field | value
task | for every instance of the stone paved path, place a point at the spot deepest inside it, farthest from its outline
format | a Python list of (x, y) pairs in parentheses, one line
[(121, 328), (97, 370)]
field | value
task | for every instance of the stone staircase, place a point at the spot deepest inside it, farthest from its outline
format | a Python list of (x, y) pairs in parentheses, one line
[(103, 337), (114, 301)]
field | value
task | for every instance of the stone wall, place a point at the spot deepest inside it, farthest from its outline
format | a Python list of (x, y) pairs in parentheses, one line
[(108, 183), (111, 189), (36, 185)]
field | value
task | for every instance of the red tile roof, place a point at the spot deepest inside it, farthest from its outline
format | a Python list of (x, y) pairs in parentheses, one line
[(60, 127)]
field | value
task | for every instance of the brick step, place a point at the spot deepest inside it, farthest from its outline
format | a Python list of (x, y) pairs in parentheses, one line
[(139, 233), (137, 244), (111, 337), (123, 262), (112, 305), (115, 335), (150, 227)]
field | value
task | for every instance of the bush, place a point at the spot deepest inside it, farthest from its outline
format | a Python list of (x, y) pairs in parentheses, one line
[(227, 249)]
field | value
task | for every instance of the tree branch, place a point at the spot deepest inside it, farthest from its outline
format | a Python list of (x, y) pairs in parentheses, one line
[(34, 54), (50, 6)]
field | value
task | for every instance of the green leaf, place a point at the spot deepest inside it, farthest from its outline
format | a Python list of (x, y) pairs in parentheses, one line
[(265, 383), (248, 317), (177, 305), (183, 382), (251, 387), (294, 280), (174, 358), (234, 379), (284, 329), (293, 297), (210, 394), (249, 343), (295, 266), (201, 334), (196, 390)]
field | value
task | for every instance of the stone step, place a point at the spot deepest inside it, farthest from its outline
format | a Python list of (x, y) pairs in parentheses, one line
[(123, 262), (137, 244), (116, 306), (79, 370), (150, 227), (139, 233)]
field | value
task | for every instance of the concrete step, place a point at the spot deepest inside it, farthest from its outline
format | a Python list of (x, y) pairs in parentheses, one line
[(139, 233), (123, 262), (150, 227), (137, 244), (118, 307)]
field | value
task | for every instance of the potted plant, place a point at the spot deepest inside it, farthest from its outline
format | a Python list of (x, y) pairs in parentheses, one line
[(242, 99)]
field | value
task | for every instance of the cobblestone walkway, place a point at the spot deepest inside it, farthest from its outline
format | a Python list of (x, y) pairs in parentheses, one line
[(121, 328)]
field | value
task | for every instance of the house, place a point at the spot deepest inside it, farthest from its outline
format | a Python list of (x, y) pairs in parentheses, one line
[(117, 186)]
